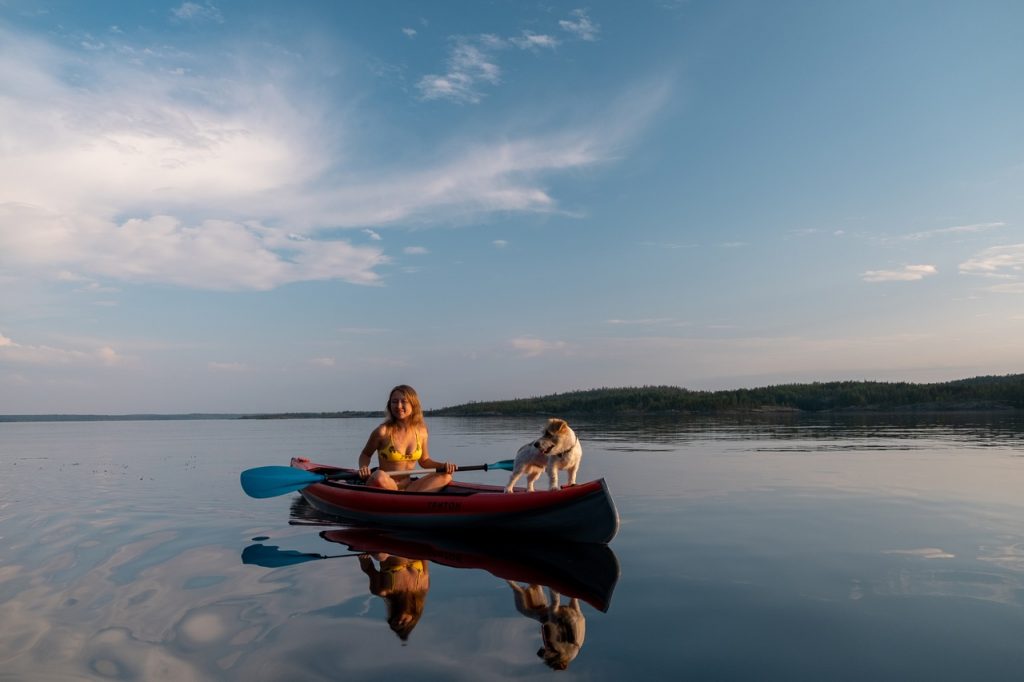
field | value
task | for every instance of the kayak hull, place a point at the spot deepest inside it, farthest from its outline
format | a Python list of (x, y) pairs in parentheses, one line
[(581, 513)]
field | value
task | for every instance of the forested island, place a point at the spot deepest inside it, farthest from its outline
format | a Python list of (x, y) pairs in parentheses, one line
[(985, 393), (978, 393)]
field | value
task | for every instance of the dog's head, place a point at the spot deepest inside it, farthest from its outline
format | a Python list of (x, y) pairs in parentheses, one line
[(557, 436)]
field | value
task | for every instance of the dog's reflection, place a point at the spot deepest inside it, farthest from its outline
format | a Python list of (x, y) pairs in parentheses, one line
[(402, 584), (562, 628)]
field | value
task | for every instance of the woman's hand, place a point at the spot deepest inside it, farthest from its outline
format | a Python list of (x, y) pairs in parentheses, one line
[(364, 472), (449, 468)]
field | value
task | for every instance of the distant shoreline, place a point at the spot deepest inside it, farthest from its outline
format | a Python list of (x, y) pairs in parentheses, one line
[(978, 394), (350, 414)]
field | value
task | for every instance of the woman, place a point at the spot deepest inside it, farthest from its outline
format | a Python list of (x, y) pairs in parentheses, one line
[(401, 444)]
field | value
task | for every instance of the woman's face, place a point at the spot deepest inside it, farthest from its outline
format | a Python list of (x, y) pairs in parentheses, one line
[(400, 405)]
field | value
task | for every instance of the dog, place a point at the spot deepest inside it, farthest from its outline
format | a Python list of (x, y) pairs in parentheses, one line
[(558, 448)]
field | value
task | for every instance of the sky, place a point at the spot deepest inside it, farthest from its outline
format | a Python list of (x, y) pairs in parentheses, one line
[(246, 206)]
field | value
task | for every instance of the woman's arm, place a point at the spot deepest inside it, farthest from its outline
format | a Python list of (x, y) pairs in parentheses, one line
[(427, 463), (366, 456)]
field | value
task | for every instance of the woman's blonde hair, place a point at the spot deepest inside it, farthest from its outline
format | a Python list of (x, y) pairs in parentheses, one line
[(404, 603), (409, 393)]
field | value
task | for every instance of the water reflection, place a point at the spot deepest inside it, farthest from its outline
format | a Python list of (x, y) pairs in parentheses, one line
[(562, 628), (403, 584), (977, 429), (548, 580)]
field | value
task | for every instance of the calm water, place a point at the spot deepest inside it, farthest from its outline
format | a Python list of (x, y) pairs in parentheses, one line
[(749, 550)]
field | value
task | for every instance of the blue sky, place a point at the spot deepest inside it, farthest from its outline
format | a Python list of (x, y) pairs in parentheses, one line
[(264, 206)]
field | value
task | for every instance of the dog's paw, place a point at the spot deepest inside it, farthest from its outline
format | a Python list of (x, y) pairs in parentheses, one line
[(508, 489)]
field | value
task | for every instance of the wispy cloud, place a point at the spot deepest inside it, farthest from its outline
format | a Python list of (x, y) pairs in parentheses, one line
[(956, 229), (580, 25), (534, 41), (909, 273), (323, 362), (644, 321), (212, 254), (141, 171), (415, 250), (411, 32), (532, 347), (24, 354), (472, 62), (999, 262), (500, 243), (194, 11), (227, 366)]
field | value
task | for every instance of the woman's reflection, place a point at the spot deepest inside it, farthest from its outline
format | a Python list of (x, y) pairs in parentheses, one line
[(402, 584), (562, 628)]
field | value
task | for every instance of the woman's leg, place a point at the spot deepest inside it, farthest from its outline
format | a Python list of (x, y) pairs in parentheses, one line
[(429, 483), (380, 479)]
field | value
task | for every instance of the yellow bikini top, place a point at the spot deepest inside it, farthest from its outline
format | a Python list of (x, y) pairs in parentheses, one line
[(393, 454), (416, 566)]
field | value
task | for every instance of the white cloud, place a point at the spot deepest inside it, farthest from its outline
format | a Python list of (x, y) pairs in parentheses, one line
[(22, 354), (193, 11), (500, 243), (1005, 263), (138, 172), (580, 25), (372, 235), (997, 260), (227, 366), (415, 250), (532, 347), (411, 32), (533, 41), (470, 62), (909, 273), (641, 321), (956, 229), (214, 254)]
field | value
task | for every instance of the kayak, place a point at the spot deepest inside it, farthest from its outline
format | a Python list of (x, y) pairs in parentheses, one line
[(580, 513)]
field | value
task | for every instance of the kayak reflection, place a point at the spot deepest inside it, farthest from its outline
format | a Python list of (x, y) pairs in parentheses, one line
[(549, 580), (585, 571), (567, 572)]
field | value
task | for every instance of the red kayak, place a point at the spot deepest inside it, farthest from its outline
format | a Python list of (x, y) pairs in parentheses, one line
[(580, 513)]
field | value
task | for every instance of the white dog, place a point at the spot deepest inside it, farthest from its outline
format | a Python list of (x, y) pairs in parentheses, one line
[(558, 448)]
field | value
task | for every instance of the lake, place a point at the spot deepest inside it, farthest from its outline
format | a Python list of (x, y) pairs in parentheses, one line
[(788, 548)]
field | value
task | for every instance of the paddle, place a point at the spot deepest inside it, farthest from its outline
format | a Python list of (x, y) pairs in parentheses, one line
[(269, 556), (271, 481)]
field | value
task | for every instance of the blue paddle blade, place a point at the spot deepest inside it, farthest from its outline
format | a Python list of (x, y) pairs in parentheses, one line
[(269, 556), (271, 481), (506, 464)]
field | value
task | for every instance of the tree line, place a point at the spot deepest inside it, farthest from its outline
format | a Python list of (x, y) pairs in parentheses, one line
[(978, 393)]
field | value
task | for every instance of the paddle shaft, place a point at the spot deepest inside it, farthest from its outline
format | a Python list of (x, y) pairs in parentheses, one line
[(271, 481), (349, 476)]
